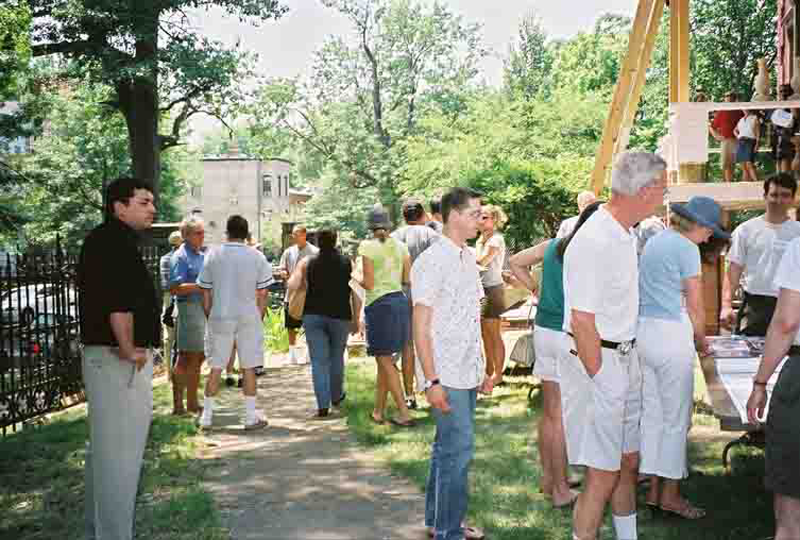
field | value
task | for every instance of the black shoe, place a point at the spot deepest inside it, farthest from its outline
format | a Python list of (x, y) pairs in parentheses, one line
[(259, 371), (239, 383), (229, 381), (339, 401), (411, 403), (321, 413)]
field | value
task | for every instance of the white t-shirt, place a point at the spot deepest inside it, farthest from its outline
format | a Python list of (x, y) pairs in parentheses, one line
[(494, 270), (757, 246), (788, 274), (567, 226), (747, 127), (293, 255), (601, 276), (234, 271)]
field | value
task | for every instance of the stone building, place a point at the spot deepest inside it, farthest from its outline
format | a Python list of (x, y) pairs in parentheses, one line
[(260, 191)]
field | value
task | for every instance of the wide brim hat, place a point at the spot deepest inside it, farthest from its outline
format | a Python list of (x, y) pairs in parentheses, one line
[(704, 211), (378, 218)]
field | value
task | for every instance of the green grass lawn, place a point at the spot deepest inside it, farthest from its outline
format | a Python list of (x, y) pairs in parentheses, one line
[(42, 486), (504, 477)]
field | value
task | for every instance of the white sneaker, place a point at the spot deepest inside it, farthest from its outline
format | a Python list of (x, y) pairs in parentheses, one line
[(258, 421)]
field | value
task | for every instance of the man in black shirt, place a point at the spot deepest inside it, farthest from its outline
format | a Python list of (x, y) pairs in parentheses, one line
[(119, 328)]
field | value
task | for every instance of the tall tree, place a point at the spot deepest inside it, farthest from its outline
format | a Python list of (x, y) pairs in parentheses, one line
[(369, 90), (148, 53), (527, 68)]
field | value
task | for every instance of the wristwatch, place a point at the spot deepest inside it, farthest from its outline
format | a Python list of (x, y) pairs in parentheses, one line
[(430, 384)]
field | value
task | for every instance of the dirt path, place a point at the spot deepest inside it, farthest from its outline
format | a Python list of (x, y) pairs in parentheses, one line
[(302, 479)]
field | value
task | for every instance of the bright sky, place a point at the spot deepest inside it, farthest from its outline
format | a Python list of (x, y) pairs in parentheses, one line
[(286, 46)]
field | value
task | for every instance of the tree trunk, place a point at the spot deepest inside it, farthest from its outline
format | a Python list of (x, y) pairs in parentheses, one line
[(138, 101)]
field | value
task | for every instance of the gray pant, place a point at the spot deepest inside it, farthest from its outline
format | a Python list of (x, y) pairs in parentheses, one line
[(120, 405)]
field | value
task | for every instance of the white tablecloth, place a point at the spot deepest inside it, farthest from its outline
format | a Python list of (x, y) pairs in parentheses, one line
[(736, 375)]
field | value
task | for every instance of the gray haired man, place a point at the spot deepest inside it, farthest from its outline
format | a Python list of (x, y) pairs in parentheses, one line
[(601, 382)]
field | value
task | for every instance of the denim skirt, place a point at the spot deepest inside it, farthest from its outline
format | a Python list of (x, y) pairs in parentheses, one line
[(387, 322), (745, 150)]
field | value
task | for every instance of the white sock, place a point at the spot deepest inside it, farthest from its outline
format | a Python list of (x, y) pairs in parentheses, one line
[(250, 407), (208, 407), (625, 527)]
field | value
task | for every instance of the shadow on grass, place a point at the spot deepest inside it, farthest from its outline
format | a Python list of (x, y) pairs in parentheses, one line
[(505, 473), (42, 482)]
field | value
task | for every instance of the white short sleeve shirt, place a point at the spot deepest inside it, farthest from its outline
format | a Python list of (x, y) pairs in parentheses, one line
[(601, 276), (567, 226), (788, 273), (445, 278), (758, 246), (234, 271)]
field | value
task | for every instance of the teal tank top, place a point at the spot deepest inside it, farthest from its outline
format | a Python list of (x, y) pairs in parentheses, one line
[(550, 311)]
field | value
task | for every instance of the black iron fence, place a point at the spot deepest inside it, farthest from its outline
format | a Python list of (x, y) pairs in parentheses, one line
[(40, 352)]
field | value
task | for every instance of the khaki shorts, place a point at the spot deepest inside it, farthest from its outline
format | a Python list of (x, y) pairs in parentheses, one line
[(601, 413), (728, 153)]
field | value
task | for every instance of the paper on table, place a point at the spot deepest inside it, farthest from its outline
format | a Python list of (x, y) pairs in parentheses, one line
[(736, 375)]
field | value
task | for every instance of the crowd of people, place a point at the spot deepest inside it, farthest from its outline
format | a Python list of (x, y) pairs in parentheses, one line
[(619, 322)]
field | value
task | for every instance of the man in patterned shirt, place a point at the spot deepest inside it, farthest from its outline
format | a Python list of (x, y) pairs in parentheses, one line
[(450, 368)]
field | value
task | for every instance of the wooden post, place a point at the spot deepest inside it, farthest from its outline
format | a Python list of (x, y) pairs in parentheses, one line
[(622, 92), (641, 74), (673, 52), (713, 276), (683, 49)]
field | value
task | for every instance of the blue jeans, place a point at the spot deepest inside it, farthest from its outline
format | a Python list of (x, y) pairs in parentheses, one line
[(453, 447), (327, 339)]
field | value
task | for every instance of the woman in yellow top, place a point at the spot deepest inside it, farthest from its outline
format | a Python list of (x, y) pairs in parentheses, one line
[(386, 266)]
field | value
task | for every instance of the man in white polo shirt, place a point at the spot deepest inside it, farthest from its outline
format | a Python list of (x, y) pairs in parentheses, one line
[(757, 246), (601, 381), (234, 282)]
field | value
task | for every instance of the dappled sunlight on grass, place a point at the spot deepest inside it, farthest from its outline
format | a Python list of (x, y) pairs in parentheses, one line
[(504, 477), (42, 482)]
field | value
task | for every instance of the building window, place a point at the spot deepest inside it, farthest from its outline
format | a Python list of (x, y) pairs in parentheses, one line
[(266, 185)]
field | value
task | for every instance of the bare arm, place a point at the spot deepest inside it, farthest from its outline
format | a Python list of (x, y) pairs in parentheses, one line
[(185, 289), (729, 284), (368, 270), (261, 301), (489, 256), (298, 277), (406, 270), (587, 341), (694, 305), (782, 331), (208, 301), (355, 307), (521, 262), (122, 327)]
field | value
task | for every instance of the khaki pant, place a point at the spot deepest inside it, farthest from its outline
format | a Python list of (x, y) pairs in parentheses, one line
[(120, 406)]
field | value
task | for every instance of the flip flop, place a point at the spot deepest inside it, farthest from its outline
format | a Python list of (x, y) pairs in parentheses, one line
[(686, 512), (261, 422), (568, 504)]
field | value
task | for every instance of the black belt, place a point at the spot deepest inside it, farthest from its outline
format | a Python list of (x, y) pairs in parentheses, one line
[(614, 345)]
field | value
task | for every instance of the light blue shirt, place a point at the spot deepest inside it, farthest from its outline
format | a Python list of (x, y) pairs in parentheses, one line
[(668, 259), (186, 266)]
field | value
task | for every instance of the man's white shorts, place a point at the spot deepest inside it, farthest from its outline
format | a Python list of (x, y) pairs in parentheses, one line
[(550, 347), (601, 413), (248, 333)]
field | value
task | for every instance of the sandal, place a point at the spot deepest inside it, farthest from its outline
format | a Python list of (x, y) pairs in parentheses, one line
[(687, 511), (380, 422), (569, 504), (406, 424)]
